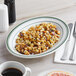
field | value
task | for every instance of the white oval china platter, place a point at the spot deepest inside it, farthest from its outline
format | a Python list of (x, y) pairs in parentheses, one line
[(11, 39)]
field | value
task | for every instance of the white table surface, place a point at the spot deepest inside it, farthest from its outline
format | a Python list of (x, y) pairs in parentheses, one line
[(25, 9)]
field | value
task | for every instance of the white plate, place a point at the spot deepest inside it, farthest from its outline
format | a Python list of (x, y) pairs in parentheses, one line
[(10, 42), (55, 70)]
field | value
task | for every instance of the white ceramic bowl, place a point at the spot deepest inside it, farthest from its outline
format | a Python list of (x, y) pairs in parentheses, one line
[(10, 42)]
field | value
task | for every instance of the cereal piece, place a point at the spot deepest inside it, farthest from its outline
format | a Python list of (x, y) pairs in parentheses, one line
[(54, 26), (57, 32), (26, 52), (53, 29)]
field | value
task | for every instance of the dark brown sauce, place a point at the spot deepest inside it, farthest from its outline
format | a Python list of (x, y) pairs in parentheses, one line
[(12, 72)]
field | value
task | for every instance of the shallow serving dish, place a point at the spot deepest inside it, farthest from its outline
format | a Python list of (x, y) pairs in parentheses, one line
[(61, 26)]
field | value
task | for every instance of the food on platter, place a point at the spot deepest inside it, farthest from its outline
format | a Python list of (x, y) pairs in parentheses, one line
[(37, 39), (59, 73)]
